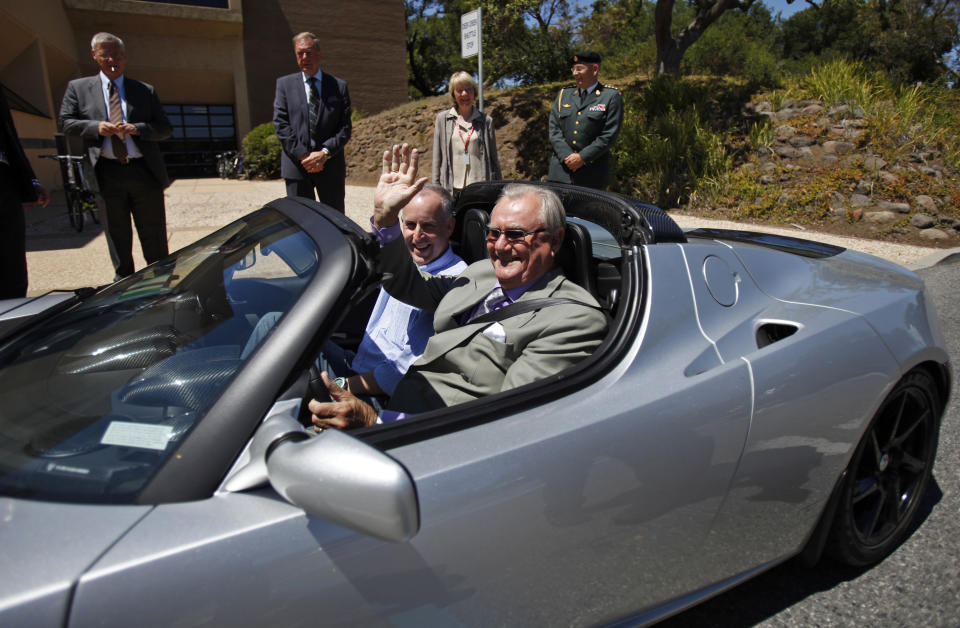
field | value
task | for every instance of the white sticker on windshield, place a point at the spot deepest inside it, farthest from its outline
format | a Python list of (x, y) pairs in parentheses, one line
[(142, 435)]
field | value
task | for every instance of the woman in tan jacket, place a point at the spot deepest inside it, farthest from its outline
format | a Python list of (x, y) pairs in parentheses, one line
[(464, 141)]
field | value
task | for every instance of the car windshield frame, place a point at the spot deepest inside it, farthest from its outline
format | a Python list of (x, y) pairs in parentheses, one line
[(131, 372)]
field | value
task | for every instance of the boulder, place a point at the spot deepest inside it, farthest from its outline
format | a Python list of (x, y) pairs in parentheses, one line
[(880, 216), (922, 221), (925, 203), (838, 147), (859, 200), (902, 208), (934, 234)]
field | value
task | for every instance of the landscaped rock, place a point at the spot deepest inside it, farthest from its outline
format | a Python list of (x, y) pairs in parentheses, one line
[(934, 234), (864, 187), (856, 214), (888, 177), (838, 147), (922, 221), (787, 152), (767, 180), (859, 200), (872, 162), (785, 132), (798, 141), (854, 123), (931, 172), (880, 216), (948, 221), (812, 110), (838, 110), (926, 203), (828, 159), (902, 208)]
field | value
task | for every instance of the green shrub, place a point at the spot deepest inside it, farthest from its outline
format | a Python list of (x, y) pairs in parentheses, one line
[(666, 151), (261, 151)]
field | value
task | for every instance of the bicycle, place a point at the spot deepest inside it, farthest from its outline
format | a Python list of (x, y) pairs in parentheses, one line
[(80, 198), (230, 165)]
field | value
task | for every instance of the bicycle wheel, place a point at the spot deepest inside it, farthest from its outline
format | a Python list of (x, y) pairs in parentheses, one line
[(75, 210), (90, 204)]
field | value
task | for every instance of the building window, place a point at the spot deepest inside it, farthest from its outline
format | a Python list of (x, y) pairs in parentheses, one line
[(213, 4), (200, 132)]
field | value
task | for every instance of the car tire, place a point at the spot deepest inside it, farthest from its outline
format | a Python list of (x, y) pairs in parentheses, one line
[(888, 474)]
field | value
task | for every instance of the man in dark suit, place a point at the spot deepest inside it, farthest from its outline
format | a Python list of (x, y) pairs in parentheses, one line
[(121, 121), (311, 115), (19, 188), (584, 123)]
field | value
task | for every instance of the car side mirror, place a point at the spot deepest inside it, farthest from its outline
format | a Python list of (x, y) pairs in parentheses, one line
[(336, 477), (332, 475)]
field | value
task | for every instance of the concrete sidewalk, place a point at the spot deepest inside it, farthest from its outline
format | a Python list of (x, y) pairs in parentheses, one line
[(59, 257)]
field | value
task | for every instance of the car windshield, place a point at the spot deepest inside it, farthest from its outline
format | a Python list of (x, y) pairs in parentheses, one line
[(94, 399)]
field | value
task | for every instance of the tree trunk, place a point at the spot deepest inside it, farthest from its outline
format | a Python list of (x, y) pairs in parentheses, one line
[(670, 49)]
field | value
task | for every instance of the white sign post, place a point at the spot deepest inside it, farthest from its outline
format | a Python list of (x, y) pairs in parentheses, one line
[(471, 43)]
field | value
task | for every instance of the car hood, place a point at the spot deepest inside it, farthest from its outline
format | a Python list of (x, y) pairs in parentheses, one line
[(46, 547)]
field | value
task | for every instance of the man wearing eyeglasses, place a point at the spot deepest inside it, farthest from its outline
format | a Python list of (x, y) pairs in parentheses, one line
[(466, 360), (121, 122)]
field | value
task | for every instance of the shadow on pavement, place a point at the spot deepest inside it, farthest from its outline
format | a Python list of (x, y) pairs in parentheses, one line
[(49, 229)]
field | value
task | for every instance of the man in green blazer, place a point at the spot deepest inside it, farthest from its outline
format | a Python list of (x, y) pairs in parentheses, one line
[(467, 360), (584, 123)]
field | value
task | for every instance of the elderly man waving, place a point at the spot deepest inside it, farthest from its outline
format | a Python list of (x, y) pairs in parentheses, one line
[(471, 355)]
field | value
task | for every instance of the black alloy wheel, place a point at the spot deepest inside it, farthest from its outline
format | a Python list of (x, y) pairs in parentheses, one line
[(888, 474)]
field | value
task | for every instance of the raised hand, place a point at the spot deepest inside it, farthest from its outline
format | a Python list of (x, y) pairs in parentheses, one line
[(397, 185)]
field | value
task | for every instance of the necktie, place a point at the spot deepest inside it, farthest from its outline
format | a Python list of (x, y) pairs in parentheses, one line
[(493, 301), (314, 104), (116, 117), (583, 94)]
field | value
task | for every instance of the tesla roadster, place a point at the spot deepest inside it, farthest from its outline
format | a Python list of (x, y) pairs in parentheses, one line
[(757, 398)]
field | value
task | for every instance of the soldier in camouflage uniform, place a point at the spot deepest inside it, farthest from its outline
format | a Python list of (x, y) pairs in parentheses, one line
[(584, 123)]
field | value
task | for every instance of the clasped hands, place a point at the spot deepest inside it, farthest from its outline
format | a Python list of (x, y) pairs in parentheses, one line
[(314, 162), (108, 129), (574, 162)]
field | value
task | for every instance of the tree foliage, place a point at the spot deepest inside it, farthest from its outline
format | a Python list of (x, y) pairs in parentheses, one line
[(524, 41)]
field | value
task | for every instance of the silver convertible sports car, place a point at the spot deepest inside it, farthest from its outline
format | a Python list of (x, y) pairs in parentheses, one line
[(756, 398)]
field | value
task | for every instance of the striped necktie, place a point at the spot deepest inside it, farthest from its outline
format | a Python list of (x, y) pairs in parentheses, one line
[(314, 104), (116, 117)]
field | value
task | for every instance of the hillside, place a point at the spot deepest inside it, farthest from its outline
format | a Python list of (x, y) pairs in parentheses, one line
[(815, 169)]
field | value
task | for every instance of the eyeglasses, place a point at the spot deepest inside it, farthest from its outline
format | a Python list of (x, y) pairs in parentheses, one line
[(512, 235)]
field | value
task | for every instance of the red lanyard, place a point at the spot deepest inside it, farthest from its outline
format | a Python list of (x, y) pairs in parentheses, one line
[(466, 142)]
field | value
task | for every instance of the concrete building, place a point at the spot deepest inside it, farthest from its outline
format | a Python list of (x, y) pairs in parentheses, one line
[(214, 63)]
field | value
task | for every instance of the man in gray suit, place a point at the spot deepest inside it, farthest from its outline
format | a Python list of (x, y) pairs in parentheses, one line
[(466, 360), (311, 115), (121, 121)]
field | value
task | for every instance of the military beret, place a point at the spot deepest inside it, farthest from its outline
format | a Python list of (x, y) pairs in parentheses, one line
[(587, 56)]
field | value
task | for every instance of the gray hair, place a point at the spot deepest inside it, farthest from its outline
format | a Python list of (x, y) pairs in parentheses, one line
[(552, 215), (462, 78), (446, 198), (105, 38), (307, 35)]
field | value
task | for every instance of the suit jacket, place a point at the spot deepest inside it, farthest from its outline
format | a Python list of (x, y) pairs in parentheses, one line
[(19, 164), (83, 109), (465, 362), (291, 121), (588, 126)]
